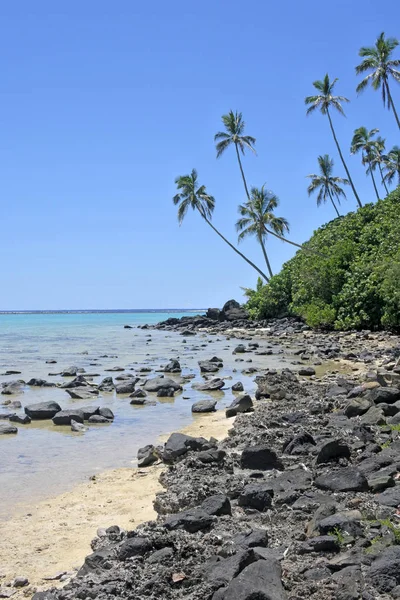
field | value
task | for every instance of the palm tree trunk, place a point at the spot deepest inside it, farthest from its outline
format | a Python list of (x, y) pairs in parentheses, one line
[(373, 179), (280, 237), (242, 172), (334, 205), (342, 159), (382, 179), (233, 247), (266, 258), (391, 104)]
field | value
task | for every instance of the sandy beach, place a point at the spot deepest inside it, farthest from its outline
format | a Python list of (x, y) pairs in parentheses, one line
[(53, 536)]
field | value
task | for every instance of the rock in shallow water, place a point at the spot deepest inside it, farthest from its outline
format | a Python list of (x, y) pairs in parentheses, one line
[(7, 429), (42, 410), (204, 406), (64, 417)]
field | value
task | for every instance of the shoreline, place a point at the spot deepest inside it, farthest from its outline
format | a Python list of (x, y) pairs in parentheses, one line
[(54, 535)]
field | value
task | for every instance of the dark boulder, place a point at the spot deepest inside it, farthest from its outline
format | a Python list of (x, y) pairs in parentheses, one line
[(165, 392), (260, 580), (204, 406), (217, 505), (98, 419), (213, 314), (64, 417), (210, 456), (173, 367), (179, 444), (139, 393), (256, 495), (332, 450), (389, 395), (97, 562), (260, 458), (147, 456), (222, 572), (126, 387), (89, 411), (134, 546), (207, 366), (192, 520), (23, 420), (106, 385), (306, 371), (6, 429), (322, 543), (346, 479), (385, 570), (42, 410), (238, 387), (37, 382), (357, 407), (106, 412), (210, 386), (242, 404), (298, 444), (153, 385)]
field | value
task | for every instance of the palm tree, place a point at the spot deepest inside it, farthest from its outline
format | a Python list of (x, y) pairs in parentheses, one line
[(392, 165), (195, 196), (378, 159), (258, 219), (327, 185), (377, 59), (234, 134), (362, 142), (324, 101)]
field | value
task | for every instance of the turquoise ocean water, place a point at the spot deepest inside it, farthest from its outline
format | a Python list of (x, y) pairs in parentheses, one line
[(43, 459)]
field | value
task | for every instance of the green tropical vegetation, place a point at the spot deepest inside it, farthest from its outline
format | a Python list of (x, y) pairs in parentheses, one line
[(347, 276)]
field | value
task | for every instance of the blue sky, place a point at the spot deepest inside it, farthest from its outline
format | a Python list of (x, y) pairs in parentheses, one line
[(104, 103)]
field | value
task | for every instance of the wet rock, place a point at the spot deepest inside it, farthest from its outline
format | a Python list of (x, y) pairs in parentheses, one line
[(77, 427), (173, 367), (165, 392), (207, 366), (6, 429), (23, 420), (346, 479), (82, 393), (98, 419), (260, 458), (71, 372), (211, 385), (257, 496), (204, 406), (11, 387), (139, 393), (37, 382), (153, 385), (332, 450), (42, 410), (106, 412), (238, 387), (306, 371), (147, 456), (64, 417), (192, 520), (242, 404), (126, 387), (106, 385)]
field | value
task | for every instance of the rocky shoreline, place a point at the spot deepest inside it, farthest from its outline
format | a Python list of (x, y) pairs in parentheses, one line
[(299, 501)]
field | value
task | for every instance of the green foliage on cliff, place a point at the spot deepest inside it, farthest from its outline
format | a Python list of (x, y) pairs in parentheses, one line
[(354, 280)]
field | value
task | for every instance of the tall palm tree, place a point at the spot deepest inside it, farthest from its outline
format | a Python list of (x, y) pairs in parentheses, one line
[(258, 219), (195, 196), (377, 60), (392, 165), (324, 101), (378, 159), (362, 142), (327, 185), (234, 134)]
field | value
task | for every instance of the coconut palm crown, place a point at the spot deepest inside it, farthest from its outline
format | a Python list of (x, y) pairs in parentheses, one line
[(378, 60), (324, 101), (326, 184), (363, 142)]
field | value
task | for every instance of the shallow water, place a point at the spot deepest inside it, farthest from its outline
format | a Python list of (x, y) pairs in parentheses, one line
[(44, 459)]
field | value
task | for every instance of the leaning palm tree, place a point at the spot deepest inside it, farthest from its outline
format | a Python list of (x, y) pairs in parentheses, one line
[(327, 185), (377, 159), (324, 101), (392, 165), (234, 134), (258, 219), (377, 60), (195, 196), (363, 142)]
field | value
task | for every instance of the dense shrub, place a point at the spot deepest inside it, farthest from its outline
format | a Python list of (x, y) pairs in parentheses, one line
[(351, 280)]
